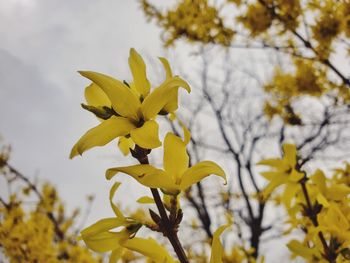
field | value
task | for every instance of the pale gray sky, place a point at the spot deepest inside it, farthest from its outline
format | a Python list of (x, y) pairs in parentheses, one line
[(43, 44)]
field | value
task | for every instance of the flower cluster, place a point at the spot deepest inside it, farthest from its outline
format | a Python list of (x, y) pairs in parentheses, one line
[(41, 232), (316, 204), (312, 33), (195, 20), (129, 111), (309, 79)]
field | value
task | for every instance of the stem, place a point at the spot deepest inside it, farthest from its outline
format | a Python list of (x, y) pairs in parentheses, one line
[(169, 231), (330, 255)]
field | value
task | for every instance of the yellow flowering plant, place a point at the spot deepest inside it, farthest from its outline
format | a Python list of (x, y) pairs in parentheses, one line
[(316, 204), (313, 34), (35, 225), (129, 111)]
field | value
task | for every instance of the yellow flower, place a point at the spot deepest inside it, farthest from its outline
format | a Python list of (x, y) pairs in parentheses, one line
[(176, 175), (333, 192), (302, 250), (283, 172), (335, 221), (100, 236), (127, 109)]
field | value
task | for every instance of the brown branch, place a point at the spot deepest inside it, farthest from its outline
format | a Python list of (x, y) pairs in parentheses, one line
[(307, 44), (170, 230)]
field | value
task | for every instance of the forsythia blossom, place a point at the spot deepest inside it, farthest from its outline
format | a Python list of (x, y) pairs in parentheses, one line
[(317, 204), (127, 109), (176, 175)]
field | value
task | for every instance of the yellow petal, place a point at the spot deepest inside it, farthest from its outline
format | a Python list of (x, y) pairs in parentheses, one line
[(145, 200), (270, 176), (199, 171), (157, 99), (149, 248), (216, 247), (138, 70), (102, 134), (289, 192), (116, 210), (105, 241), (172, 105), (102, 225), (290, 154), (302, 250), (125, 144), (322, 200), (145, 174), (320, 180), (147, 135), (175, 156), (338, 192), (187, 134), (166, 67), (123, 100), (295, 176), (116, 255), (272, 186), (96, 97), (173, 101)]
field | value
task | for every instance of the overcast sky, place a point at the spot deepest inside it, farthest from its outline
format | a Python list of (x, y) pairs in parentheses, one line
[(43, 44)]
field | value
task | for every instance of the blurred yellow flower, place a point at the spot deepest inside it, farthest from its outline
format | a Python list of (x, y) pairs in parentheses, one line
[(283, 172)]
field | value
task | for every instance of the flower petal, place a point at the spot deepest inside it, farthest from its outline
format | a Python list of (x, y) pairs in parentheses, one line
[(216, 247), (175, 156), (105, 241), (172, 105), (156, 100), (125, 144), (102, 134), (116, 210), (319, 179), (116, 255), (301, 249), (289, 192), (173, 101), (102, 225), (138, 70), (187, 134), (147, 135), (276, 182), (199, 171), (149, 248), (290, 154), (145, 200), (96, 97), (166, 66), (145, 174), (124, 102)]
